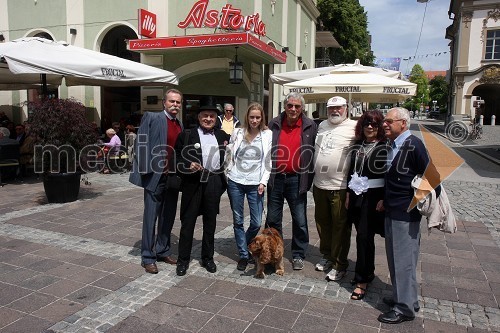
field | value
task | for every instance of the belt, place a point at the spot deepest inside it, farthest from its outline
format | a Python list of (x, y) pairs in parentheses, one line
[(286, 174), (375, 183)]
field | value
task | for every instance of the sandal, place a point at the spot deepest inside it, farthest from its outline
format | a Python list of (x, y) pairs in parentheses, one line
[(358, 296)]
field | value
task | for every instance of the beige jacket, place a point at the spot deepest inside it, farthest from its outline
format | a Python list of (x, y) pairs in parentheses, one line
[(437, 210)]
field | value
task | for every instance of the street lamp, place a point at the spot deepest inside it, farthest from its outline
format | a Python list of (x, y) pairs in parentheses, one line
[(434, 102)]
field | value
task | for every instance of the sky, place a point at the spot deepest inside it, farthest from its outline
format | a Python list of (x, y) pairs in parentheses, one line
[(395, 27)]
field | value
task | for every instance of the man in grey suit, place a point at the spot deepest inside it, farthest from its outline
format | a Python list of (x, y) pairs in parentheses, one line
[(154, 170)]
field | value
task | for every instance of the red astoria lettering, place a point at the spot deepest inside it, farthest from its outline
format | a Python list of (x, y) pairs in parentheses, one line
[(228, 13), (196, 15), (230, 18), (212, 20)]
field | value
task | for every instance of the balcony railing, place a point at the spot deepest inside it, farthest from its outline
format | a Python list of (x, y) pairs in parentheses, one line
[(326, 62)]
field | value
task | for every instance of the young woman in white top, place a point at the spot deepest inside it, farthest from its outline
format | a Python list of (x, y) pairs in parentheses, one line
[(248, 166)]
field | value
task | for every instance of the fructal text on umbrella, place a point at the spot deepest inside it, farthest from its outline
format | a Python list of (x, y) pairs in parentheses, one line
[(112, 72)]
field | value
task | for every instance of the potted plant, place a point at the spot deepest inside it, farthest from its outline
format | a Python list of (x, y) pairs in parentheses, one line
[(64, 139)]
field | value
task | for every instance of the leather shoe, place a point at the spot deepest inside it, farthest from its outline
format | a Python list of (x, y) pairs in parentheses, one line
[(150, 268), (209, 265), (169, 260), (393, 317), (389, 301), (181, 270)]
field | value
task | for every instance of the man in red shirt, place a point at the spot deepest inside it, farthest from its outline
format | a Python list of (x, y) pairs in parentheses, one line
[(153, 165), (292, 172)]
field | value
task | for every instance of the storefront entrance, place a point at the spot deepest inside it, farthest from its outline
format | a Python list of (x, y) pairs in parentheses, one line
[(192, 105)]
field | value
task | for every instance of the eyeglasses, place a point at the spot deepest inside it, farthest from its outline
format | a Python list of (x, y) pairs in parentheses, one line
[(368, 123), (390, 121), (229, 110), (291, 106)]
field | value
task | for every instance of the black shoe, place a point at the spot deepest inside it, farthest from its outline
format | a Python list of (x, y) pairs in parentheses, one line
[(242, 264), (389, 301), (393, 317), (181, 269), (251, 261), (209, 265)]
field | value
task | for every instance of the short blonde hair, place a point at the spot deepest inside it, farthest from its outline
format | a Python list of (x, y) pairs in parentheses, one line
[(110, 131)]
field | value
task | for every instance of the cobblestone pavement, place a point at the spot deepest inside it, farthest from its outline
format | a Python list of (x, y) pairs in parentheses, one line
[(75, 267)]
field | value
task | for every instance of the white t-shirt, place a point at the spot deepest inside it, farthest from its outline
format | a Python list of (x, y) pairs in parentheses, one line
[(331, 156)]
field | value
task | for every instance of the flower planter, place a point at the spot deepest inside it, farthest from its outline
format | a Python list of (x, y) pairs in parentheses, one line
[(61, 187)]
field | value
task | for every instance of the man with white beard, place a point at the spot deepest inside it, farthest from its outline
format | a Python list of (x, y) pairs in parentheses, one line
[(333, 141)]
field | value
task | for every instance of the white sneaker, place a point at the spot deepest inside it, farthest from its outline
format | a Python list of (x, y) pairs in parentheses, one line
[(323, 265), (335, 275)]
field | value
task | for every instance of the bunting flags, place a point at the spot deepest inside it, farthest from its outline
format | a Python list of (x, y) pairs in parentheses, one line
[(412, 58)]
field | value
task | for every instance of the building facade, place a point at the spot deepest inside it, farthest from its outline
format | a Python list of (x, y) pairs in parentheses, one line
[(475, 58), (200, 41)]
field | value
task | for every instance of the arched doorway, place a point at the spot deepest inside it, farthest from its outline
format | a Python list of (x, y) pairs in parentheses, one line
[(490, 93), (120, 104)]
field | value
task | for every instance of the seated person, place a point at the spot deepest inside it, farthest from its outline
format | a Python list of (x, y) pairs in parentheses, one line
[(9, 151), (112, 147), (27, 150)]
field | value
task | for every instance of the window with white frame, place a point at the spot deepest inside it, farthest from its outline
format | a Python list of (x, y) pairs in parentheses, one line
[(492, 45)]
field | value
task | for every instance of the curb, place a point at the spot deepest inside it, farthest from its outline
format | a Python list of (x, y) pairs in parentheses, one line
[(474, 150), (485, 156)]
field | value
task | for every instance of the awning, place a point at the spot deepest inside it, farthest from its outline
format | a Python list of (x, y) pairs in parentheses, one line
[(248, 46), (326, 39)]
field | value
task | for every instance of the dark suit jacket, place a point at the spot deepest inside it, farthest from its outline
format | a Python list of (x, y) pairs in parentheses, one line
[(412, 159), (150, 150), (188, 149)]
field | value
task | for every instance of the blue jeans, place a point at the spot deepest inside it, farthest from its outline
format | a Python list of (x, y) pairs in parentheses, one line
[(236, 193), (287, 187)]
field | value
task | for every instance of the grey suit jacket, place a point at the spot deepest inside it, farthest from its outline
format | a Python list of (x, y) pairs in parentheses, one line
[(150, 151)]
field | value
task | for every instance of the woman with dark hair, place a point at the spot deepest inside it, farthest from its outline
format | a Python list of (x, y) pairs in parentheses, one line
[(365, 195), (248, 166)]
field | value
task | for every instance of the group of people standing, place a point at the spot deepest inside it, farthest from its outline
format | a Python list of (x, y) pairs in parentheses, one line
[(361, 172)]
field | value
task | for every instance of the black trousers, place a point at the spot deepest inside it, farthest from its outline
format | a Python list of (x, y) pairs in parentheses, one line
[(199, 199)]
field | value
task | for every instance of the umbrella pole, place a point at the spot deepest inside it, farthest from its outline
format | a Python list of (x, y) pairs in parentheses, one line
[(44, 85)]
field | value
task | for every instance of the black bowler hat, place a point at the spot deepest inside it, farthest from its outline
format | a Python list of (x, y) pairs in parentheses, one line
[(209, 103)]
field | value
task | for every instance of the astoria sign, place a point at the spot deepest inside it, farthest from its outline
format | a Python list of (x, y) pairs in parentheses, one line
[(228, 18)]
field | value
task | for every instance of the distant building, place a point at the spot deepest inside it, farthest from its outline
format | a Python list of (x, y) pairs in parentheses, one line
[(432, 74), (475, 57)]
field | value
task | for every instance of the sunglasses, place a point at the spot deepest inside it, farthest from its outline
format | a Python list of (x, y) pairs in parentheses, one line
[(297, 106), (372, 123)]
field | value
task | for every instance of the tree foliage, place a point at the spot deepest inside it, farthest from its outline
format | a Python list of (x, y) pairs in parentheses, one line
[(418, 77), (439, 90), (348, 22)]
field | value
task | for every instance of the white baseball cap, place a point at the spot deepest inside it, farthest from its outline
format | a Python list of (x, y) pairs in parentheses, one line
[(336, 101)]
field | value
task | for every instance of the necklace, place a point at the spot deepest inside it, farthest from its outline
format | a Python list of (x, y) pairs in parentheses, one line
[(363, 154)]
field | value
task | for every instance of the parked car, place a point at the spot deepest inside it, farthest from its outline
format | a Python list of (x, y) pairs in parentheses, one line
[(434, 114)]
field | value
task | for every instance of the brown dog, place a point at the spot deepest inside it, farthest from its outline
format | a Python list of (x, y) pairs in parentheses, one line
[(267, 248)]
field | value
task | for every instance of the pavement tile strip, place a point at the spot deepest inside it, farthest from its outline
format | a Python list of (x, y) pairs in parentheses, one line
[(108, 311)]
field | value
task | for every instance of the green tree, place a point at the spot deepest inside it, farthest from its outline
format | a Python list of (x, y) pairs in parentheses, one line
[(348, 22), (418, 77), (439, 91)]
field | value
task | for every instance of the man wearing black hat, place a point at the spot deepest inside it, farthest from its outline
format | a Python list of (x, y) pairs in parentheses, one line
[(200, 157)]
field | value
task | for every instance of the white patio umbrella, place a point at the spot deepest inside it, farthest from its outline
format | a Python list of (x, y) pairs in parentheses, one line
[(24, 60), (362, 87), (287, 77)]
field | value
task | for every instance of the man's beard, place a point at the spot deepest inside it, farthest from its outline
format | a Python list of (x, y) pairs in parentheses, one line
[(336, 119)]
